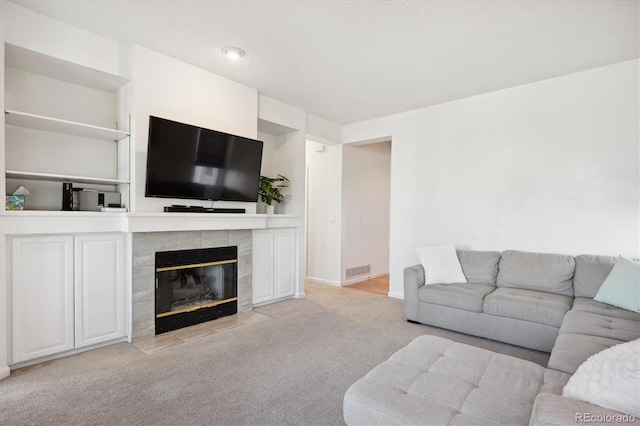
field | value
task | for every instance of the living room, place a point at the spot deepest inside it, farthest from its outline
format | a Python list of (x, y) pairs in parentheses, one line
[(541, 156)]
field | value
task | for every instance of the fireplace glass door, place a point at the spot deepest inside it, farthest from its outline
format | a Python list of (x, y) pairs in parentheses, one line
[(194, 290)]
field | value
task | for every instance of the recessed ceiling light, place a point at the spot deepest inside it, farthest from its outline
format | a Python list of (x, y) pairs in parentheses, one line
[(233, 52)]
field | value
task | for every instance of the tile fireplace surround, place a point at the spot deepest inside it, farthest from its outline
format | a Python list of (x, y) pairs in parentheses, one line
[(146, 244)]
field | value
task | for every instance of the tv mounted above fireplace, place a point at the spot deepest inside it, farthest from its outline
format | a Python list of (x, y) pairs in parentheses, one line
[(190, 162)]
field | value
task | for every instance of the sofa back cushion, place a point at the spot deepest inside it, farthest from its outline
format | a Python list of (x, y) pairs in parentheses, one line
[(480, 267), (551, 273), (591, 272)]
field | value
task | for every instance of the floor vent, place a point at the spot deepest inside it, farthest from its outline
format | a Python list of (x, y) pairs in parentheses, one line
[(358, 270)]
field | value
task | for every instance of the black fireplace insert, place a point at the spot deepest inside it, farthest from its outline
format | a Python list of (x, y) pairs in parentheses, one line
[(194, 286)]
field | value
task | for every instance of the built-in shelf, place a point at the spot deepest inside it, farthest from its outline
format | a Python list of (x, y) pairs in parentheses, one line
[(56, 125), (52, 177), (59, 69)]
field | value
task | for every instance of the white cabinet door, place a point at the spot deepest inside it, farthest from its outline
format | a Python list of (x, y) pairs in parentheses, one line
[(284, 262), (99, 289), (42, 296), (262, 269)]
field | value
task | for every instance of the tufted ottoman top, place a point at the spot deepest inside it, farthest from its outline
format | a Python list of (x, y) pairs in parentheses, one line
[(439, 382)]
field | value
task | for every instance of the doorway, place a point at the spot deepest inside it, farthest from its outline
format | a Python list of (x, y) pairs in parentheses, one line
[(348, 203)]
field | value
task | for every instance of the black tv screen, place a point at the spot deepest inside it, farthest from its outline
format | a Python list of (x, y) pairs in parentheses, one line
[(185, 161)]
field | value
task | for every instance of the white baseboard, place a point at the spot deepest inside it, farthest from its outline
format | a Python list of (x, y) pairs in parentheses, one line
[(4, 372), (363, 278), (65, 354), (300, 296), (323, 281), (396, 295)]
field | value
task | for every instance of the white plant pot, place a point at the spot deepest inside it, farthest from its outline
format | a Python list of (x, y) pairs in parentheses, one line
[(271, 209)]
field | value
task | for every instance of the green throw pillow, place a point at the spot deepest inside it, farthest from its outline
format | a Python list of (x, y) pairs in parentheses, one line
[(621, 288)]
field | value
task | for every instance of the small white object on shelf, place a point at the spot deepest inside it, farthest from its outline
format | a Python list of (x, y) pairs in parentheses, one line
[(113, 209), (22, 190)]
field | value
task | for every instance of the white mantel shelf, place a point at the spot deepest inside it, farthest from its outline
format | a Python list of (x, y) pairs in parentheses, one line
[(34, 222), (166, 222), (31, 222)]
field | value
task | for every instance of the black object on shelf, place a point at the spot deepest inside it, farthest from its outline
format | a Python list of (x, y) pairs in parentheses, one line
[(198, 209), (67, 196)]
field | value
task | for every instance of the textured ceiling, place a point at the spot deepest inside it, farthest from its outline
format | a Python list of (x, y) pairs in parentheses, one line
[(353, 60)]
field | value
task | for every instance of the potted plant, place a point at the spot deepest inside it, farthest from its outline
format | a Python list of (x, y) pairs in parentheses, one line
[(270, 190)]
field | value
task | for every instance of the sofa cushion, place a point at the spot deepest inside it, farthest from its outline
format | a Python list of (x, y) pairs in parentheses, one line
[(590, 324), (550, 409), (589, 305), (436, 381), (550, 273), (468, 296), (479, 266), (571, 350), (591, 272), (609, 379), (554, 382), (528, 305)]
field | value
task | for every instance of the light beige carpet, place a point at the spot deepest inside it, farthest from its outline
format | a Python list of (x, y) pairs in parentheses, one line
[(291, 369)]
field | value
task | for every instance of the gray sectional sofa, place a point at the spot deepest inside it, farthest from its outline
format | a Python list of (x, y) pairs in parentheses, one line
[(534, 300)]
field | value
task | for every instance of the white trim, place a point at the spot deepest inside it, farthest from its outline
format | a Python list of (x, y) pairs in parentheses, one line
[(363, 278), (300, 296), (322, 281), (396, 295), (66, 353), (268, 302), (4, 372)]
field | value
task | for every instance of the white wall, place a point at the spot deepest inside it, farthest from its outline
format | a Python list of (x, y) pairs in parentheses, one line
[(324, 216), (366, 174), (5, 312), (167, 88), (323, 131), (269, 153), (289, 151), (551, 166)]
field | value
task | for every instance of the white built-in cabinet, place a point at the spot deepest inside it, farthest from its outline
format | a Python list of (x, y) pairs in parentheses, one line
[(99, 289), (274, 264), (68, 292), (42, 296)]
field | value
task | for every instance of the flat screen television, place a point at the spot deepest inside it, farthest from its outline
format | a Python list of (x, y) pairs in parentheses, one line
[(190, 162)]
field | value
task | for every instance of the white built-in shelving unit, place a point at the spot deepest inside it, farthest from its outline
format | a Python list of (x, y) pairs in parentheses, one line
[(61, 125)]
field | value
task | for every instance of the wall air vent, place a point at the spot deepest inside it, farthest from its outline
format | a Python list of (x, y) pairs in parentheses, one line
[(358, 270)]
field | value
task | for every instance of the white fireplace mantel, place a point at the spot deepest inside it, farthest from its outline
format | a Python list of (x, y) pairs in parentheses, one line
[(46, 222)]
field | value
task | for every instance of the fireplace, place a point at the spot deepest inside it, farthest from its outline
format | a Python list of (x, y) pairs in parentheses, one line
[(194, 286)]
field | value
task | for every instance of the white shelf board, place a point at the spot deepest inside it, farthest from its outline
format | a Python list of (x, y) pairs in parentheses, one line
[(52, 177), (56, 125), (59, 69)]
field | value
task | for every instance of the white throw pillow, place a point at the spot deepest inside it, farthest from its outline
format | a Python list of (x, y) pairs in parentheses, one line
[(441, 265), (610, 379)]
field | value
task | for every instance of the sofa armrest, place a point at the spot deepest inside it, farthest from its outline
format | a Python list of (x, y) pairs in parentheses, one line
[(413, 280), (554, 410)]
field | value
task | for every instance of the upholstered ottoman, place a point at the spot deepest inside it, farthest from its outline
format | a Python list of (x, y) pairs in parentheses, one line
[(439, 382)]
